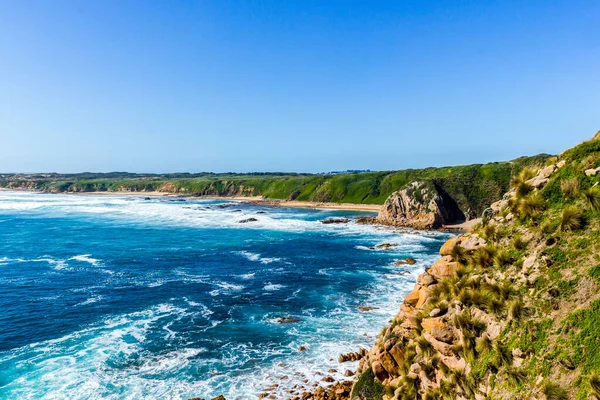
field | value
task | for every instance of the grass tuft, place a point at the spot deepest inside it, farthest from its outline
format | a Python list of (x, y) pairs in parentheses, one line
[(570, 187), (552, 391), (571, 219), (592, 195)]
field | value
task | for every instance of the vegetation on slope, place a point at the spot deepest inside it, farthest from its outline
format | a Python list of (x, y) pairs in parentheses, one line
[(472, 186), (519, 297)]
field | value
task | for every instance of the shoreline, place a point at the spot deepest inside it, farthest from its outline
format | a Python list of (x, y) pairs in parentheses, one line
[(257, 200)]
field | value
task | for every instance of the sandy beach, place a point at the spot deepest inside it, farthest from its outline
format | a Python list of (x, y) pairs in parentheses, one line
[(259, 200)]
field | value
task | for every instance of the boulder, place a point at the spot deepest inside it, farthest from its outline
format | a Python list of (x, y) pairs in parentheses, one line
[(442, 348), (287, 320), (335, 221), (423, 296), (367, 308), (447, 247), (380, 372), (443, 268), (406, 261), (592, 171), (413, 297), (418, 205), (439, 329), (397, 353), (388, 363), (386, 246), (561, 164), (426, 279), (472, 242)]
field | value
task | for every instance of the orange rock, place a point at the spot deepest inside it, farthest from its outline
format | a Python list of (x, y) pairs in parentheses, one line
[(447, 247), (413, 297), (379, 371), (443, 268), (437, 328)]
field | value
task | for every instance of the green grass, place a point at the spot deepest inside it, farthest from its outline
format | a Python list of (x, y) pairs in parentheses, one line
[(368, 387)]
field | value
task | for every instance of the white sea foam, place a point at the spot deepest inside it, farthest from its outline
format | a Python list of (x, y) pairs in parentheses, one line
[(90, 300), (257, 257), (82, 363), (87, 259), (270, 287), (164, 212)]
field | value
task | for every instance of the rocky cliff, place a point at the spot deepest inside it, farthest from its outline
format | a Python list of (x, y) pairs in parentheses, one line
[(511, 309)]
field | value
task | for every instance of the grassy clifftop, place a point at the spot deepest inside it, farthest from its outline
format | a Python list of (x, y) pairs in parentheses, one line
[(512, 309), (472, 186)]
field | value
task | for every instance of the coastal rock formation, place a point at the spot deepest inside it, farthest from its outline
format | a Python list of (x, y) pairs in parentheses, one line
[(420, 205), (510, 310)]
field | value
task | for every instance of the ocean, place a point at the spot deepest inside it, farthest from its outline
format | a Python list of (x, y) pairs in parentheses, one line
[(126, 297)]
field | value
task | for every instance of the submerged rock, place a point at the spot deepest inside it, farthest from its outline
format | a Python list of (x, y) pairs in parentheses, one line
[(406, 261), (367, 308), (386, 246), (287, 320), (335, 221), (245, 221)]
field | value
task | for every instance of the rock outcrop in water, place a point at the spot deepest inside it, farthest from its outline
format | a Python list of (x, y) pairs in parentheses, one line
[(420, 205)]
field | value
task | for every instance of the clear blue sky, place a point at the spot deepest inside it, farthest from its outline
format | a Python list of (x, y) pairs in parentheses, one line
[(164, 86)]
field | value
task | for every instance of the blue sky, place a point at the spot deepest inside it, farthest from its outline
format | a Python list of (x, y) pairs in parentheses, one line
[(164, 86)]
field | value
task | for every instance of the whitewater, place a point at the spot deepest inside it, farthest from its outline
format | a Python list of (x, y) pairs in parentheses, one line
[(127, 297)]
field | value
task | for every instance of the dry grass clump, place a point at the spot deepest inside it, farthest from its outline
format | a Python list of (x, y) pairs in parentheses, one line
[(518, 242), (571, 219), (531, 206), (592, 195), (570, 187), (553, 391), (516, 308), (519, 182)]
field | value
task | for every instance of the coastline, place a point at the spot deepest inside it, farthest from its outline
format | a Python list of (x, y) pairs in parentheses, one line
[(257, 200)]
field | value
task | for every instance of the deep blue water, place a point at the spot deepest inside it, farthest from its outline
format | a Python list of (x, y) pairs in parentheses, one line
[(122, 297)]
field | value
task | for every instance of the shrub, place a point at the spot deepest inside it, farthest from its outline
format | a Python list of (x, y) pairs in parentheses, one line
[(502, 356), (492, 305), (459, 254), (516, 309), (547, 228), (531, 206), (519, 182), (590, 161), (593, 197), (425, 347), (519, 243), (484, 344), (571, 219), (484, 256), (367, 386), (460, 379), (502, 259), (552, 391), (514, 376), (570, 187), (490, 233)]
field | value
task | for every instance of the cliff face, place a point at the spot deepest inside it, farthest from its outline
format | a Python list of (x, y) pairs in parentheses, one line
[(511, 310)]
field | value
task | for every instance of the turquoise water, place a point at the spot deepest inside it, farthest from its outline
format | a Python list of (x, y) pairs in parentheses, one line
[(128, 298)]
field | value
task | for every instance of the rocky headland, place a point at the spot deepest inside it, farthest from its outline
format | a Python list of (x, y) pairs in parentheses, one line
[(510, 310)]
